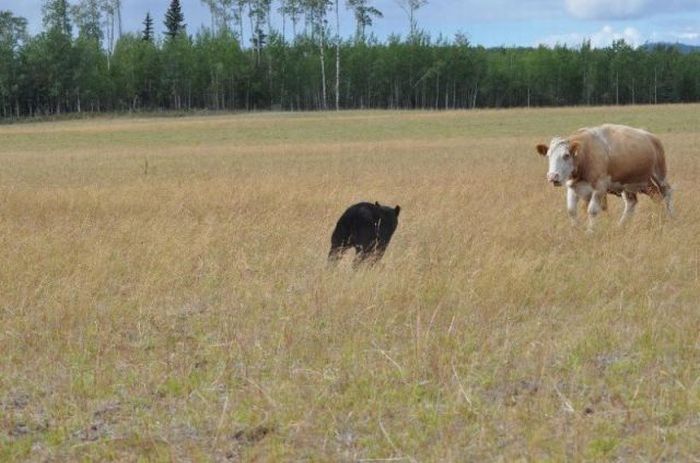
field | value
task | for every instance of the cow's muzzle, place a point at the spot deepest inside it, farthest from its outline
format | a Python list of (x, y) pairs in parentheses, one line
[(554, 178)]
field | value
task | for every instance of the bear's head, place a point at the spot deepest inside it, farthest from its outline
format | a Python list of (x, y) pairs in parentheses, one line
[(396, 210), (389, 219)]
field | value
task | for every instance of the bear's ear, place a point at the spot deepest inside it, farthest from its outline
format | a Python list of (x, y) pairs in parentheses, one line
[(397, 209), (542, 149), (376, 203)]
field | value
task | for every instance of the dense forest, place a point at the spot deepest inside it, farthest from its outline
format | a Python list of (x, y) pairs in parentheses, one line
[(82, 62)]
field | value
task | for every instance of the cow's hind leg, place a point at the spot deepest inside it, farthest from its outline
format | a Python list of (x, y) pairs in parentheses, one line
[(667, 194), (661, 190), (604, 202), (630, 203)]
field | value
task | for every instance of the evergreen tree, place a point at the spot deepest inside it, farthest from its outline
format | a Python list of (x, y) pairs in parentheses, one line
[(147, 35), (174, 20)]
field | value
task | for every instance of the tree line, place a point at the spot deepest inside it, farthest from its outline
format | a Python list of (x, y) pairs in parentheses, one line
[(83, 62)]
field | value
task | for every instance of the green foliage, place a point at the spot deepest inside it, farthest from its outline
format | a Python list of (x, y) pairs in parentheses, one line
[(364, 14), (47, 77), (55, 72), (13, 31), (136, 73), (56, 16), (87, 15), (90, 66)]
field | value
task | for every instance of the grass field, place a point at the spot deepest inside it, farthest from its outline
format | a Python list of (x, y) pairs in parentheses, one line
[(164, 293)]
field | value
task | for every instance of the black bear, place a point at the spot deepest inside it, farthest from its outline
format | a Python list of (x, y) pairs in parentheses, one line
[(366, 227)]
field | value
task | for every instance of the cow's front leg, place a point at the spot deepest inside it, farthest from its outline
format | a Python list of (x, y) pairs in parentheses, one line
[(594, 207), (571, 203), (630, 203)]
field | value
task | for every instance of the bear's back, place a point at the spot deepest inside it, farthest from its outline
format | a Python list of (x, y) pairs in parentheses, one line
[(360, 213)]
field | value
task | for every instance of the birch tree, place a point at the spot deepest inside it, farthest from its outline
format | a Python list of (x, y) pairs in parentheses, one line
[(118, 9), (237, 12), (109, 22), (316, 12), (364, 14), (221, 13), (337, 57), (87, 15), (292, 9), (258, 14), (410, 7)]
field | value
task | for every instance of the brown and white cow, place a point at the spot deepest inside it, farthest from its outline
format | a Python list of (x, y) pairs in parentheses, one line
[(609, 158)]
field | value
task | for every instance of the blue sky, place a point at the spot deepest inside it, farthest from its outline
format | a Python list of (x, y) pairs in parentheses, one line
[(485, 22)]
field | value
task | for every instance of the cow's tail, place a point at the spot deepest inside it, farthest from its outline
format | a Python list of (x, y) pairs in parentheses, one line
[(660, 160), (659, 188), (659, 183)]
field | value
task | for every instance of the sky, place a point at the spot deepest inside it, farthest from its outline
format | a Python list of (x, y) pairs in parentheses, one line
[(485, 22)]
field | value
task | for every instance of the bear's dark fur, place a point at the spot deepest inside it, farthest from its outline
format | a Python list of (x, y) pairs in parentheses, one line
[(366, 227)]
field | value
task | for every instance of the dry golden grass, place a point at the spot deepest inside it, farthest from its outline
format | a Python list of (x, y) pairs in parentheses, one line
[(164, 293)]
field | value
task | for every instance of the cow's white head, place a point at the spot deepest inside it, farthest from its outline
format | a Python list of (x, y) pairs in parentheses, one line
[(561, 154)]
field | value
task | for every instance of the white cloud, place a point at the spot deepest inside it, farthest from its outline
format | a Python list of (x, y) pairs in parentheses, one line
[(475, 10), (689, 36), (627, 9), (607, 9), (607, 35), (602, 38)]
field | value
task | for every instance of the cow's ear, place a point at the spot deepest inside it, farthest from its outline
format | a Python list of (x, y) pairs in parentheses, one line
[(397, 209), (542, 149), (574, 148), (376, 203)]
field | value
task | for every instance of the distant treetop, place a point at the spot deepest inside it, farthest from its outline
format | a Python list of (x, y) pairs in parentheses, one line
[(174, 20)]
